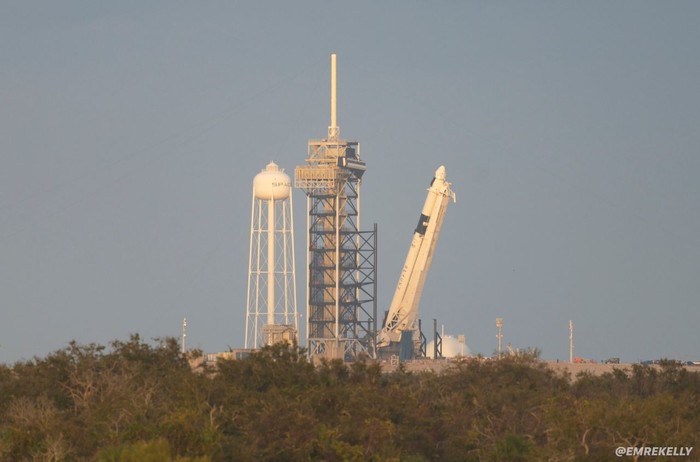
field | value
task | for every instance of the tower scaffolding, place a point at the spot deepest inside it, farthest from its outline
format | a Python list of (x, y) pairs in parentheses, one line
[(341, 259)]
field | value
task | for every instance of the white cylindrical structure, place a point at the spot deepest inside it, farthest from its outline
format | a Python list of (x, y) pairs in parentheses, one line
[(333, 130), (271, 262), (271, 309), (452, 347), (334, 92)]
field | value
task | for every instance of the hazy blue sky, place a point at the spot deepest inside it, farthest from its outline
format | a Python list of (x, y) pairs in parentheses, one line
[(130, 133)]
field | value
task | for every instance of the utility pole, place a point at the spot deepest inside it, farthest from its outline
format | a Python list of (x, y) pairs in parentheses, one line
[(571, 341), (499, 335), (184, 334)]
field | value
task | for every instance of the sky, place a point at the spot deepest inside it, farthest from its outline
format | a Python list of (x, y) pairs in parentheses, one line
[(130, 133)]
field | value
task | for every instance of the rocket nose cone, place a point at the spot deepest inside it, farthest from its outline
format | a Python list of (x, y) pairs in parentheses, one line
[(440, 173)]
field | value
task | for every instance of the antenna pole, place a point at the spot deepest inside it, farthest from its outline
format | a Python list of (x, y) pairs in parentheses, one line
[(499, 335), (184, 334), (571, 341), (333, 130)]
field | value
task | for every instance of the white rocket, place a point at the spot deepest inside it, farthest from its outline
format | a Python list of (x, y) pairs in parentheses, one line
[(403, 312)]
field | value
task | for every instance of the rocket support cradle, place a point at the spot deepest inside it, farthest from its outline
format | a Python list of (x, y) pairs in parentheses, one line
[(403, 312)]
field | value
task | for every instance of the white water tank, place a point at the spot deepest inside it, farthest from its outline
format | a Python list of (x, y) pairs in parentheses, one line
[(272, 183), (452, 347)]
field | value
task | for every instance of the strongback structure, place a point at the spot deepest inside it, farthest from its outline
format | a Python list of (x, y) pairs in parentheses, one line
[(341, 260), (401, 331), (271, 313)]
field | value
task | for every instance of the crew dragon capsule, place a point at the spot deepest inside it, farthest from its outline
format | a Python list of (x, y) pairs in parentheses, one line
[(403, 311)]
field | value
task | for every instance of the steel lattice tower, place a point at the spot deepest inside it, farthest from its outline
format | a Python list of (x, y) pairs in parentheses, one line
[(341, 271)]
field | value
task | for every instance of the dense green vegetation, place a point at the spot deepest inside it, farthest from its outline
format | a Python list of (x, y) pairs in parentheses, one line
[(136, 402)]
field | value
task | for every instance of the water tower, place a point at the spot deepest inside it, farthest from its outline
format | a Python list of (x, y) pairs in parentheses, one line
[(271, 307)]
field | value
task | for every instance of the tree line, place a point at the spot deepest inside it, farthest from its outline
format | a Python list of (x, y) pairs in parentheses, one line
[(135, 401)]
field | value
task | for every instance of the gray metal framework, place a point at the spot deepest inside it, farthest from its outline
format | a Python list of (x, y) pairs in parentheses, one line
[(437, 343), (341, 308), (341, 275)]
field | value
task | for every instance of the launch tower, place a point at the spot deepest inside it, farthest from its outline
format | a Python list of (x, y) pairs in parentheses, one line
[(341, 260)]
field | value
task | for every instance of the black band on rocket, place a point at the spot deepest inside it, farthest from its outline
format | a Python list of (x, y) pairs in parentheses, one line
[(422, 224)]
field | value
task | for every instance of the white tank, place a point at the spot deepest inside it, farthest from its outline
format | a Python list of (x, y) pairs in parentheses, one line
[(451, 347), (272, 183)]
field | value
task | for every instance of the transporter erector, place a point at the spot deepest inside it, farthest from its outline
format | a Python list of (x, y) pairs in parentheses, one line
[(401, 330)]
